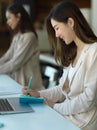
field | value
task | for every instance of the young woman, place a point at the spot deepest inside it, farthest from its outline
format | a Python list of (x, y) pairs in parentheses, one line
[(75, 48), (22, 58)]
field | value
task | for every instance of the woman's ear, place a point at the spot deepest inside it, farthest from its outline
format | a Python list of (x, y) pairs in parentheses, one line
[(19, 16), (70, 22)]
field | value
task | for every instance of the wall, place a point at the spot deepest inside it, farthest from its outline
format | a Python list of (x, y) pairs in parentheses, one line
[(43, 41), (94, 15)]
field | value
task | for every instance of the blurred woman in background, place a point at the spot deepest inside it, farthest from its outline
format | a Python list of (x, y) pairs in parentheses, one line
[(22, 58)]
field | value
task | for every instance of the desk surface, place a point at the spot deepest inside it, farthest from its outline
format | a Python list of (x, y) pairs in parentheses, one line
[(43, 118), (8, 85)]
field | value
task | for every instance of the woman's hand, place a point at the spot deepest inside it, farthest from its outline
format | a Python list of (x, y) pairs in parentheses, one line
[(49, 102), (30, 92)]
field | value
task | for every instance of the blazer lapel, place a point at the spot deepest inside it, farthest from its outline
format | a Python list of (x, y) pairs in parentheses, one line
[(79, 62)]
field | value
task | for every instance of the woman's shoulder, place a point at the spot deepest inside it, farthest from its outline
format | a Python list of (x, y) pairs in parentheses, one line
[(91, 52), (92, 47), (28, 34)]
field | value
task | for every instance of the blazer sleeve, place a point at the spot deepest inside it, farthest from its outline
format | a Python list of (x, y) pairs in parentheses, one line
[(7, 55), (55, 93), (27, 48), (86, 100)]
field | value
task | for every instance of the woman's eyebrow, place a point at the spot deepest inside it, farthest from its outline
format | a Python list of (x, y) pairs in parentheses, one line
[(54, 26)]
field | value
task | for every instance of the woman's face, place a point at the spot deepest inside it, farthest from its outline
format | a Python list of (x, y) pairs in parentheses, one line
[(12, 20), (64, 31)]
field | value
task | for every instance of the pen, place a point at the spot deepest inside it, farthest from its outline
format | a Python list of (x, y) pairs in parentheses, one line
[(29, 82)]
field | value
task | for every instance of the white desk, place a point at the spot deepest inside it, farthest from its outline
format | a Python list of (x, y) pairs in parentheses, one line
[(7, 85), (44, 118)]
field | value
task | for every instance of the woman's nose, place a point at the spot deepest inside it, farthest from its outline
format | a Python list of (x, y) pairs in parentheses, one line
[(7, 22)]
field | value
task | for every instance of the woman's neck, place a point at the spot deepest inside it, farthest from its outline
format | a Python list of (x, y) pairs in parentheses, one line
[(80, 44)]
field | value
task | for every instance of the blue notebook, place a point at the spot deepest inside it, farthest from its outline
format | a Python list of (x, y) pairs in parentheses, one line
[(30, 99)]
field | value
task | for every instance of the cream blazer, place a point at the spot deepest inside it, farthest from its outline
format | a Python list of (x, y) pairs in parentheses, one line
[(79, 104), (22, 60)]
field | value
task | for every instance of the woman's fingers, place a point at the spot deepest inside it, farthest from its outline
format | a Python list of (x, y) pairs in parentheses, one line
[(24, 90)]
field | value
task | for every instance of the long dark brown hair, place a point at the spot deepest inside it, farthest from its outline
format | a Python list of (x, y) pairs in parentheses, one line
[(25, 24), (65, 54)]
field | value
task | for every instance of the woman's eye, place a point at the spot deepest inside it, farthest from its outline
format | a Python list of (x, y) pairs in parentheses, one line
[(56, 28)]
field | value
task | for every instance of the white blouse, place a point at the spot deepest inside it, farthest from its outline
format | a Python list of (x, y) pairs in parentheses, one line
[(71, 70)]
